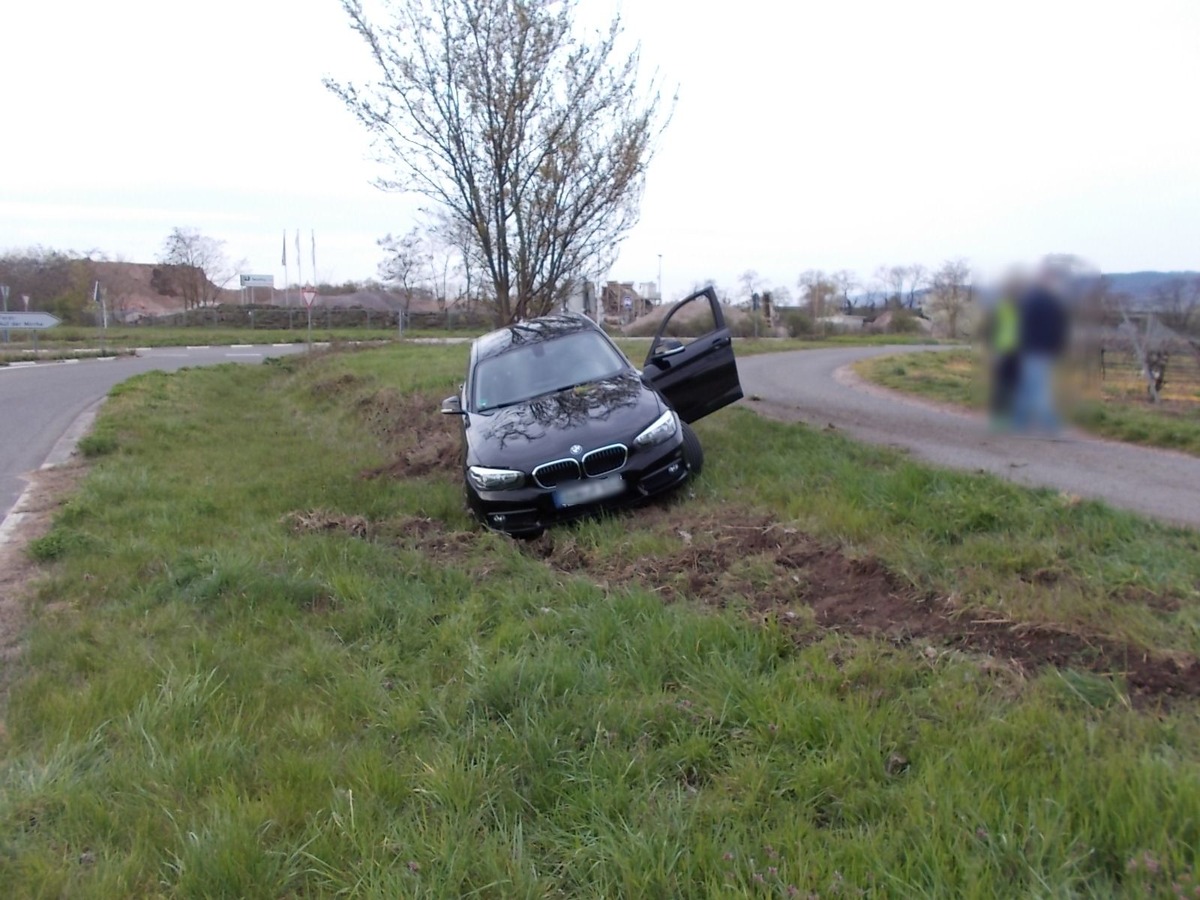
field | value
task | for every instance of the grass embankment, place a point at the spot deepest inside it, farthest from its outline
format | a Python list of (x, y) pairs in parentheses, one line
[(256, 672), (1115, 408)]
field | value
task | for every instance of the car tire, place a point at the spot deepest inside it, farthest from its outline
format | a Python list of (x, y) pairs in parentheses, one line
[(693, 453)]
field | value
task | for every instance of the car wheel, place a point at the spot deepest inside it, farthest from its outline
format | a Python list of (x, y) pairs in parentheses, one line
[(693, 453)]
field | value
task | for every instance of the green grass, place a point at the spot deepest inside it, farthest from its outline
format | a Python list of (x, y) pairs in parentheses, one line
[(211, 704), (1118, 409)]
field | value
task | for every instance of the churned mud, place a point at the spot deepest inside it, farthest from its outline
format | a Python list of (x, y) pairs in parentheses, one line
[(420, 440), (749, 562), (781, 572)]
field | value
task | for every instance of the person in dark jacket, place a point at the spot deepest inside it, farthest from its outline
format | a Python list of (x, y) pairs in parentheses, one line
[(1043, 341)]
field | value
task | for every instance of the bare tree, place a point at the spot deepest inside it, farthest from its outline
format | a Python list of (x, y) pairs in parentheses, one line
[(404, 259), (456, 239), (817, 291), (845, 281), (535, 139), (918, 277), (197, 268), (44, 274), (751, 283), (441, 267), (1177, 303), (891, 279), (951, 291), (782, 295)]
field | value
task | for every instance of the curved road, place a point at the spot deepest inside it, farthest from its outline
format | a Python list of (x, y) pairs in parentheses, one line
[(807, 386), (40, 403)]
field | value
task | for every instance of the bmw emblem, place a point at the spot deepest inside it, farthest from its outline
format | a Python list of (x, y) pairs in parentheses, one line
[(576, 449)]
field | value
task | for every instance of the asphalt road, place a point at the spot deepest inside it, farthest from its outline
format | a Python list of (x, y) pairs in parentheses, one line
[(40, 403), (813, 386)]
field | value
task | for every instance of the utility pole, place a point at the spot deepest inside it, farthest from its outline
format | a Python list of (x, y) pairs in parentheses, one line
[(98, 297), (660, 293)]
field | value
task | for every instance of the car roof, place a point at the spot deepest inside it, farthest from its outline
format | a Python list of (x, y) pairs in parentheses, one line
[(533, 331)]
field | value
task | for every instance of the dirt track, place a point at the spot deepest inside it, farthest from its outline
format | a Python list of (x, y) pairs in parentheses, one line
[(816, 387)]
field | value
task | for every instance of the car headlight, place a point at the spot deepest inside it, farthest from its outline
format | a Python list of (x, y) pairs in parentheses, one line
[(486, 479), (661, 429)]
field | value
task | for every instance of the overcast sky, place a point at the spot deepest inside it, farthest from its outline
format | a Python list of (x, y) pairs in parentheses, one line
[(818, 134)]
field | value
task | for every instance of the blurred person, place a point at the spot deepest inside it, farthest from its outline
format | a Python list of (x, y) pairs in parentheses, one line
[(1042, 339), (1003, 342)]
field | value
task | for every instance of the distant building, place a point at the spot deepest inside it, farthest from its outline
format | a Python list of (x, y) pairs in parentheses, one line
[(582, 299), (649, 291), (622, 301)]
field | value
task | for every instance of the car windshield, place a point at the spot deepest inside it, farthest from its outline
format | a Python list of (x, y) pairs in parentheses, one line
[(542, 367)]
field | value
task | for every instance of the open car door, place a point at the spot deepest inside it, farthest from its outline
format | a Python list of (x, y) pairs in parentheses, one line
[(691, 358)]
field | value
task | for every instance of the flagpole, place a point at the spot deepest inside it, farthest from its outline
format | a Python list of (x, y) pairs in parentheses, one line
[(299, 259), (287, 290)]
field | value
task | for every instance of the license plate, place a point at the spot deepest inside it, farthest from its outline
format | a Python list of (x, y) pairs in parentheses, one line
[(588, 491)]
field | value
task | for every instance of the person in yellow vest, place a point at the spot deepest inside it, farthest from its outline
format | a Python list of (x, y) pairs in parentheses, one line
[(1004, 344)]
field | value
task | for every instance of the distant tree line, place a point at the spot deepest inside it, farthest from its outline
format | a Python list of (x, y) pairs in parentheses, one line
[(56, 281)]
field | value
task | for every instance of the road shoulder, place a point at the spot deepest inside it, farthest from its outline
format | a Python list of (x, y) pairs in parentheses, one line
[(31, 518)]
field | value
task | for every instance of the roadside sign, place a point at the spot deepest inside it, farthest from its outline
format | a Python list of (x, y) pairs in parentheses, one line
[(309, 293), (258, 281), (20, 321)]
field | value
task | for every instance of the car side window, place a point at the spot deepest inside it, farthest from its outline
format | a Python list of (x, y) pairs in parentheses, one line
[(691, 320)]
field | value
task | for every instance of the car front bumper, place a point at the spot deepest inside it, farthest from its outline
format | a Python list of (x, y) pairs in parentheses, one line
[(532, 509)]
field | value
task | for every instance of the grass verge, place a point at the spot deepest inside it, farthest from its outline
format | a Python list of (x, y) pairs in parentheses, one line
[(1115, 408), (271, 656)]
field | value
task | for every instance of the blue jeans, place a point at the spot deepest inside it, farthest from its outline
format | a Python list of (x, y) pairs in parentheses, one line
[(1034, 406)]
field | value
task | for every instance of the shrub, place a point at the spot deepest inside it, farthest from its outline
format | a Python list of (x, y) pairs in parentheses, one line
[(903, 322), (751, 324), (97, 445), (798, 323)]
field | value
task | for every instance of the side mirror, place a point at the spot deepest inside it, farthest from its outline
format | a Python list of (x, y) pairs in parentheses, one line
[(452, 406), (664, 348)]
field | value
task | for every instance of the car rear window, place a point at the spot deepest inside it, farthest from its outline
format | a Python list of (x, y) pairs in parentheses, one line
[(542, 367)]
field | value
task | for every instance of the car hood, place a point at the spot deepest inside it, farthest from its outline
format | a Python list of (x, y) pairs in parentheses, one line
[(593, 415)]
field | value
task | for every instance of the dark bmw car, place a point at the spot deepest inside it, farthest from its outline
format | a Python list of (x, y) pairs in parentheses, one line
[(557, 423)]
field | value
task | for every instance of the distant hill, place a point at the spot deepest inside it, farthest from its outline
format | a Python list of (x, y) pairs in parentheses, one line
[(1140, 286), (136, 293)]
